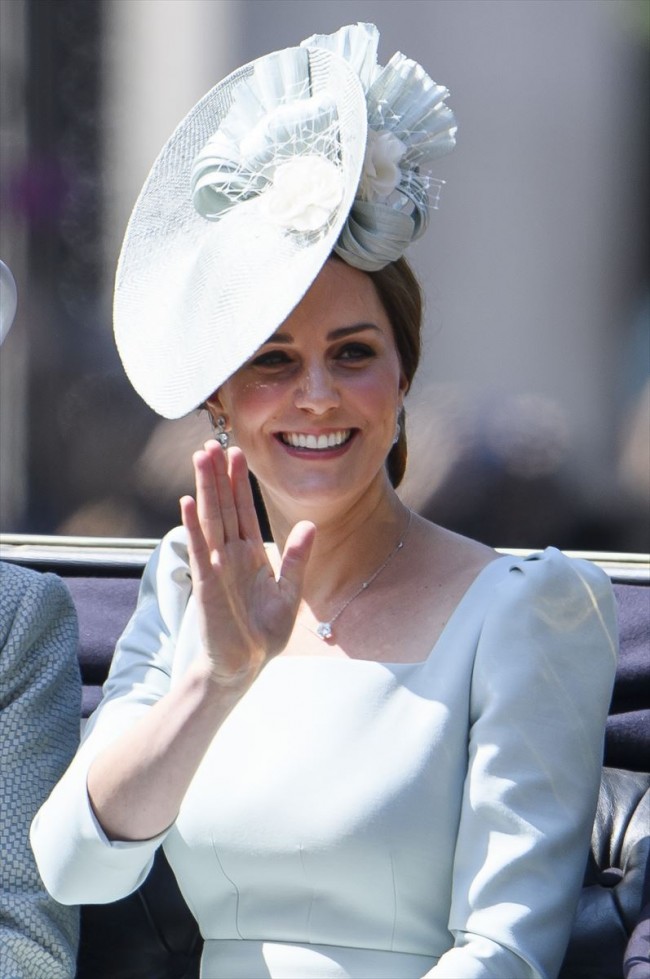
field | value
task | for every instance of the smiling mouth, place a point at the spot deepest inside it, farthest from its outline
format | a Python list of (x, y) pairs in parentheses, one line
[(318, 443)]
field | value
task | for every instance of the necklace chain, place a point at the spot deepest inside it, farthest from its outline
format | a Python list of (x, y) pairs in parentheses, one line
[(324, 629)]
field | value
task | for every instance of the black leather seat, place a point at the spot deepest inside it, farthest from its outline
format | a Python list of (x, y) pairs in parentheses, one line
[(615, 884)]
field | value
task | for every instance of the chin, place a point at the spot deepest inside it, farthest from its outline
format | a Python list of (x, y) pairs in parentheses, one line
[(316, 496)]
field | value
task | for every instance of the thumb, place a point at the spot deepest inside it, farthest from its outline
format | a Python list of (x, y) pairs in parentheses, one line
[(296, 555)]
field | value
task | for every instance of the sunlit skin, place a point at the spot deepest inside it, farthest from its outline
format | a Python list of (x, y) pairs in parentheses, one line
[(332, 369)]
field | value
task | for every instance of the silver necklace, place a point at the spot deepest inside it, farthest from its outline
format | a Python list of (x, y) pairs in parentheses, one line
[(324, 629)]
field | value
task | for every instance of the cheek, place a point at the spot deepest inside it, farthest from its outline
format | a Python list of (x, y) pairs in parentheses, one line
[(248, 399), (250, 405), (379, 390)]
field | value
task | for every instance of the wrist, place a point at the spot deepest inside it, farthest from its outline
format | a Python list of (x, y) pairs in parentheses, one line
[(216, 683)]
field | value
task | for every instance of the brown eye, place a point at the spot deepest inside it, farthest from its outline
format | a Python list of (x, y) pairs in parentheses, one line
[(356, 351), (272, 358)]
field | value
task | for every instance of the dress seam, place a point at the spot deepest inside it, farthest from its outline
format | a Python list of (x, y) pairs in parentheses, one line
[(234, 887), (311, 892)]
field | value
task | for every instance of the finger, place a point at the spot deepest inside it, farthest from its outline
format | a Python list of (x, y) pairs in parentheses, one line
[(249, 525), (228, 510), (199, 552), (296, 556), (207, 500)]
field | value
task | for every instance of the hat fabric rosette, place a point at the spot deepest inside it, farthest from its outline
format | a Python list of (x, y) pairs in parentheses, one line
[(409, 127), (303, 152)]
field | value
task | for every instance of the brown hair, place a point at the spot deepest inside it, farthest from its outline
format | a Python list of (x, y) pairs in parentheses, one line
[(401, 296)]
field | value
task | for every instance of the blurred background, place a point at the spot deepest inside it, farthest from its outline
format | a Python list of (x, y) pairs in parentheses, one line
[(530, 421)]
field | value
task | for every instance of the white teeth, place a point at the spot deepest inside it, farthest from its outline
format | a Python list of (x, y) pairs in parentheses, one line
[(300, 441)]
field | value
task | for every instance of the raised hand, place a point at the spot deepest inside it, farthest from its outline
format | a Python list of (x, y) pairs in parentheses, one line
[(246, 615)]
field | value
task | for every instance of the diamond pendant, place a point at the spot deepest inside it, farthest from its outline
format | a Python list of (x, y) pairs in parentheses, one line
[(324, 630)]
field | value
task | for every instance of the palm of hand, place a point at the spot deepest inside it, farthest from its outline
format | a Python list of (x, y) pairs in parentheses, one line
[(246, 615)]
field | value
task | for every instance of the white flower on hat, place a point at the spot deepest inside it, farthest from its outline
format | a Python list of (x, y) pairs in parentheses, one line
[(304, 193), (381, 173)]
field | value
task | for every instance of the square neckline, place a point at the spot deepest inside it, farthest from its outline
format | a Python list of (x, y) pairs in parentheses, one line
[(475, 584)]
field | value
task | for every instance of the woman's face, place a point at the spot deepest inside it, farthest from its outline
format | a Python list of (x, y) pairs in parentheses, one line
[(315, 409)]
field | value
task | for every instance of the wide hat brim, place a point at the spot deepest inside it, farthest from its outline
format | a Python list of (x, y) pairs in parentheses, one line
[(195, 298)]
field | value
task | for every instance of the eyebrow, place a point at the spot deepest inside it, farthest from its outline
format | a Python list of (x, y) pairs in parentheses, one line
[(337, 334)]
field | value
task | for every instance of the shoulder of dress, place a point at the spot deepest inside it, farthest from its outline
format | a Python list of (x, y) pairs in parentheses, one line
[(166, 581), (558, 590), (175, 539), (171, 555), (554, 571), (550, 619)]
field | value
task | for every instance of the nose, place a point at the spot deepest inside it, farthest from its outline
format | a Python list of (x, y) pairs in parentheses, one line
[(316, 391)]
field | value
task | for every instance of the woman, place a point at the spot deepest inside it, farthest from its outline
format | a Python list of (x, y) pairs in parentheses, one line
[(371, 748)]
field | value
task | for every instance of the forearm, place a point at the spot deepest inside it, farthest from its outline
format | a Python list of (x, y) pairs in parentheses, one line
[(137, 784), (476, 957)]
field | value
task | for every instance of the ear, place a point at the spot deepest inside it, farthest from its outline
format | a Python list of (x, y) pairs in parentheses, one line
[(403, 388), (214, 406)]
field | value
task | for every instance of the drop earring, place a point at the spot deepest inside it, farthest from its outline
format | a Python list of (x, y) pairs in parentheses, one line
[(398, 431), (219, 431)]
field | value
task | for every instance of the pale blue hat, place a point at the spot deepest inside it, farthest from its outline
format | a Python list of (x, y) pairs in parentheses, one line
[(303, 152)]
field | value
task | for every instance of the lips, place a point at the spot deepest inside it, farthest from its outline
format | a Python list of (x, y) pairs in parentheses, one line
[(317, 443)]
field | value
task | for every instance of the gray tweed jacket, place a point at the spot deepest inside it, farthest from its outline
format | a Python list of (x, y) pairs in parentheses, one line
[(40, 694)]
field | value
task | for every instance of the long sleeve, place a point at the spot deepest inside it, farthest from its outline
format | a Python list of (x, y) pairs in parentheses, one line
[(541, 687), (40, 695), (77, 862)]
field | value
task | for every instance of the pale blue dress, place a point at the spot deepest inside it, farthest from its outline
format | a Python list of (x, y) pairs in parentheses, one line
[(372, 820)]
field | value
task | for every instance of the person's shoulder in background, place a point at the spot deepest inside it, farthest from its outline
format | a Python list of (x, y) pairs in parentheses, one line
[(40, 695)]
